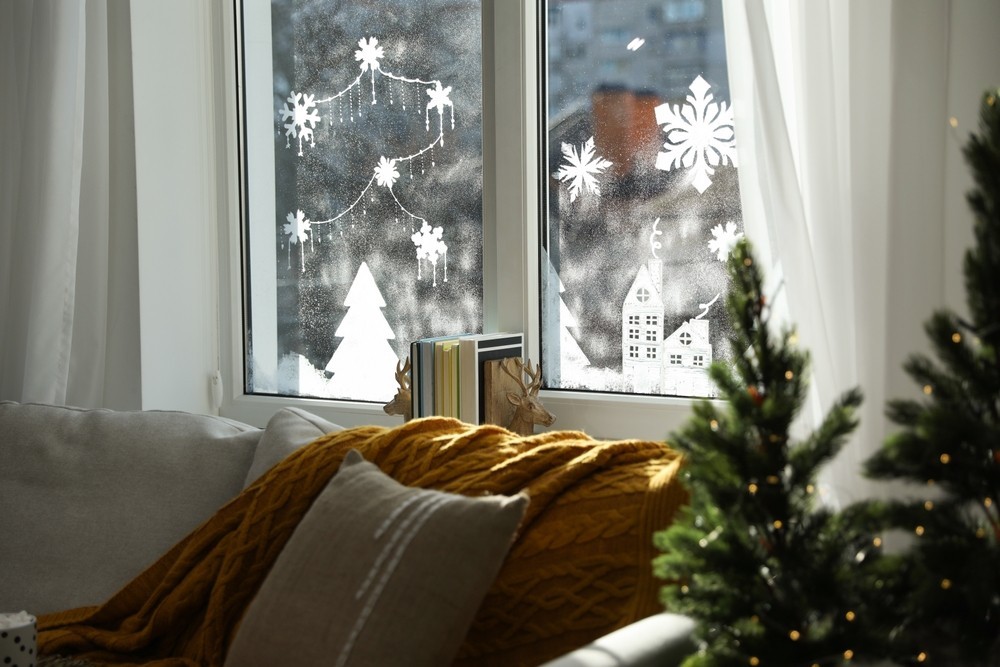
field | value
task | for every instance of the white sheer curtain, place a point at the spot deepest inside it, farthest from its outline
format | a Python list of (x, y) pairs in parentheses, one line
[(68, 295), (815, 85)]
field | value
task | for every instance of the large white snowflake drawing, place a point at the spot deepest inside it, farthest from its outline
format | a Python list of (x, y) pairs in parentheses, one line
[(724, 240), (700, 135), (385, 172), (369, 54), (581, 169), (430, 247), (303, 118)]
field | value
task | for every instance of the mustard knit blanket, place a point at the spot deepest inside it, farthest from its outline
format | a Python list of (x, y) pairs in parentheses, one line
[(579, 567)]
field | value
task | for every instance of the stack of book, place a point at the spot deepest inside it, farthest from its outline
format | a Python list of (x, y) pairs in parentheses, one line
[(448, 373)]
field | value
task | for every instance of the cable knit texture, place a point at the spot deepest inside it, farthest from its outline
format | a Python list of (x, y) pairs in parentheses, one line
[(579, 567)]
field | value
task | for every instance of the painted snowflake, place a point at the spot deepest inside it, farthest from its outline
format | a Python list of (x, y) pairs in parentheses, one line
[(724, 240), (303, 118), (700, 135), (385, 172), (369, 54), (581, 169), (430, 247), (297, 228)]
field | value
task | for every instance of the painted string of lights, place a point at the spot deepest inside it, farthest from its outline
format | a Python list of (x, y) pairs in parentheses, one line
[(300, 117)]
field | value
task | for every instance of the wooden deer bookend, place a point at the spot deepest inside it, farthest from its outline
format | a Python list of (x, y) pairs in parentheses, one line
[(528, 410), (400, 403)]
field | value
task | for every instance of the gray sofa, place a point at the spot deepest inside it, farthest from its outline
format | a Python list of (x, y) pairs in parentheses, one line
[(89, 498)]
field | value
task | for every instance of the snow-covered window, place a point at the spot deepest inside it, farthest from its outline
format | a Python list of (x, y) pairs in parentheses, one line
[(639, 186), (633, 334), (634, 319), (651, 353), (363, 188), (652, 335), (633, 351), (698, 360), (675, 360)]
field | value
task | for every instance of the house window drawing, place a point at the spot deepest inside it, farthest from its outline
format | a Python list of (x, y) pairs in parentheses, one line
[(652, 336), (633, 334), (684, 338), (633, 351), (698, 360), (650, 352), (675, 360)]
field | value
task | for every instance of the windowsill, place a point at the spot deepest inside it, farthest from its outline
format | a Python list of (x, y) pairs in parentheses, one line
[(606, 416)]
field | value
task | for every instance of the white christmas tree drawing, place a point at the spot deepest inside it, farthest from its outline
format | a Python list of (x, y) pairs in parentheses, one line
[(700, 135), (300, 115), (581, 168), (564, 366), (363, 363)]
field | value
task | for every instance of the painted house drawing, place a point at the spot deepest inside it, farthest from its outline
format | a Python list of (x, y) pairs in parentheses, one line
[(676, 364)]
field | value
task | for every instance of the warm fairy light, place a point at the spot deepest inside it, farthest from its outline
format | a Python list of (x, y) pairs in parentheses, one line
[(752, 488), (953, 121), (789, 375), (755, 619), (773, 479), (945, 458), (877, 542), (810, 488), (685, 589), (919, 530), (921, 657), (777, 524), (956, 337), (793, 339), (747, 262), (945, 584), (988, 502), (848, 654), (980, 533), (850, 616), (754, 661), (928, 389), (794, 635), (714, 425), (928, 505)]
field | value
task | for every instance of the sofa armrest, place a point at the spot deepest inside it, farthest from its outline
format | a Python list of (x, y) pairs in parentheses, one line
[(662, 640)]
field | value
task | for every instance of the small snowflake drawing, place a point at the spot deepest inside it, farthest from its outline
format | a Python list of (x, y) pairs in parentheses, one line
[(297, 228), (430, 247), (439, 100), (369, 54), (385, 172), (724, 240), (303, 118), (700, 136), (581, 169)]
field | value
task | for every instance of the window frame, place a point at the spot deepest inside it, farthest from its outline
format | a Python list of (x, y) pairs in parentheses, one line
[(512, 210)]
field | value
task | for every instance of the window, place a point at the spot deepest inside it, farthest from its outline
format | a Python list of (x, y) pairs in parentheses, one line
[(633, 334), (364, 213), (538, 228), (698, 360), (675, 360), (639, 187)]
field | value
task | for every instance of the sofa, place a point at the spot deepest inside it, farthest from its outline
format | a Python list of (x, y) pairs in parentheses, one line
[(93, 501)]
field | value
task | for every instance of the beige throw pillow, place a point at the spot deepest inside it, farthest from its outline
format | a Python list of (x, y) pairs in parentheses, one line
[(378, 574)]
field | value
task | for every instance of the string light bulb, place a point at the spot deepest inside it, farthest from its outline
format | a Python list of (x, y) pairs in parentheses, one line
[(794, 635), (956, 337), (945, 458), (789, 375), (928, 389), (945, 584), (848, 654), (922, 657), (919, 530), (877, 542), (752, 488), (928, 505), (850, 616), (754, 661)]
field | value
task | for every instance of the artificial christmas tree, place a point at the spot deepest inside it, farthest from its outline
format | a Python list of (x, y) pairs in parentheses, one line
[(771, 578), (950, 445)]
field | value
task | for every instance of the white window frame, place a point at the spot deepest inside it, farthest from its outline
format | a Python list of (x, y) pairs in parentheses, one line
[(510, 259)]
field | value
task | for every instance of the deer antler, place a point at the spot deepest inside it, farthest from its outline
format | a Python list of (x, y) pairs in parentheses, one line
[(524, 369), (403, 374)]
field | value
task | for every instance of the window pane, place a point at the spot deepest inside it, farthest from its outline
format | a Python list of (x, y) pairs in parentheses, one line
[(363, 188), (642, 195)]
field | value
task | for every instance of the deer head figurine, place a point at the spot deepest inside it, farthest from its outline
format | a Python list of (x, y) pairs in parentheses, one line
[(528, 410), (400, 403)]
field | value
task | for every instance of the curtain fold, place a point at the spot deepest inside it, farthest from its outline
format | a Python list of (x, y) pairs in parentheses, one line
[(812, 86), (55, 207)]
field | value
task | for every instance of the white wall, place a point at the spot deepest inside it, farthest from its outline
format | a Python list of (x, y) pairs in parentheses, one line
[(178, 200)]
